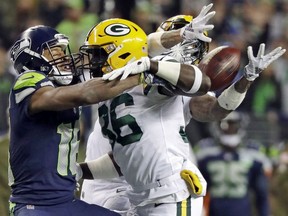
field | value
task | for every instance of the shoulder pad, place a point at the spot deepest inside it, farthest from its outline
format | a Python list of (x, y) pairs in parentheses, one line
[(29, 82), (28, 79)]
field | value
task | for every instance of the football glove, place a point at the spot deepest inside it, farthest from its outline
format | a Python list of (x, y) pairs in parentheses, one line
[(151, 79), (257, 64), (197, 27), (193, 181), (135, 67)]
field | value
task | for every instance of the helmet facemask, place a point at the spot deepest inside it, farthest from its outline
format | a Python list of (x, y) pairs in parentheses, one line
[(94, 60), (35, 50), (63, 67), (188, 52), (173, 24), (230, 131)]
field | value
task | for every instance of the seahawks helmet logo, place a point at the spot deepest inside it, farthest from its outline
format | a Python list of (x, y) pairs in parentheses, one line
[(18, 48), (117, 29)]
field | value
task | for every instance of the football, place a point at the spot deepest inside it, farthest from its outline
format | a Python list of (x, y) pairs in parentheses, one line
[(221, 65)]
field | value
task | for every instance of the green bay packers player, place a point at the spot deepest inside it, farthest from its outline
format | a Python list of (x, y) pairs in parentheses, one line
[(144, 125), (110, 193), (44, 118), (133, 68), (209, 108)]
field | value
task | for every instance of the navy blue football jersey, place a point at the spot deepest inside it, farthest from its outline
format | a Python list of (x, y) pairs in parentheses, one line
[(43, 147), (231, 178)]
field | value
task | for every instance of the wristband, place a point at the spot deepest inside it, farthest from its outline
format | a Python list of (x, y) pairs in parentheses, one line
[(102, 168), (230, 99), (169, 71), (197, 80)]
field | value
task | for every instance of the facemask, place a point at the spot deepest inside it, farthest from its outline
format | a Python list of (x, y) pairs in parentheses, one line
[(61, 78), (230, 140)]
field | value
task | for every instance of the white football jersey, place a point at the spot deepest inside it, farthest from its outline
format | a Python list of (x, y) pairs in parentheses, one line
[(130, 116), (145, 135), (103, 191)]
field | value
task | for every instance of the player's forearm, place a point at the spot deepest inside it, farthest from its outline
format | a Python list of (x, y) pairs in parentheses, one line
[(87, 93), (188, 78), (206, 109), (104, 90), (242, 85), (101, 168), (230, 99), (84, 172), (159, 42)]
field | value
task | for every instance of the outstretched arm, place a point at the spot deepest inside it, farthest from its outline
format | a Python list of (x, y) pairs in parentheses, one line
[(206, 108), (86, 93), (159, 42), (188, 78), (209, 108)]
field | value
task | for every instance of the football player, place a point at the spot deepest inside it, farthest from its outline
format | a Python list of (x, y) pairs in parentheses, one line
[(110, 193), (44, 118), (223, 113), (143, 125), (234, 172)]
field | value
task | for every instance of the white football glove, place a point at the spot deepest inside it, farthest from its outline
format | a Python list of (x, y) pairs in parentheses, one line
[(257, 64), (195, 29), (135, 67)]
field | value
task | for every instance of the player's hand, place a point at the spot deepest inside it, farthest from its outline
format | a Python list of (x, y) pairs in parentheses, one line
[(135, 67), (196, 28), (153, 80), (257, 64)]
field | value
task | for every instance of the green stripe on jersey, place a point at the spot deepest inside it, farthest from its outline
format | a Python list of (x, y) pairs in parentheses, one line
[(28, 79), (184, 207)]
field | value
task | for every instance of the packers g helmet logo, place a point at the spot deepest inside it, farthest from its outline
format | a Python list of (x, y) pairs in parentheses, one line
[(117, 29)]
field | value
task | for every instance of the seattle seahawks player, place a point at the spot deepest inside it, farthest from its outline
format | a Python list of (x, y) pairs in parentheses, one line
[(44, 118), (237, 176)]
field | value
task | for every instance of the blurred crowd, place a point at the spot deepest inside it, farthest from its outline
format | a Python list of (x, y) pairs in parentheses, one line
[(238, 23)]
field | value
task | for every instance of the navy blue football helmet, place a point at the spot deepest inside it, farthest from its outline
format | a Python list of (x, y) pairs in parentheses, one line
[(231, 130), (27, 54)]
